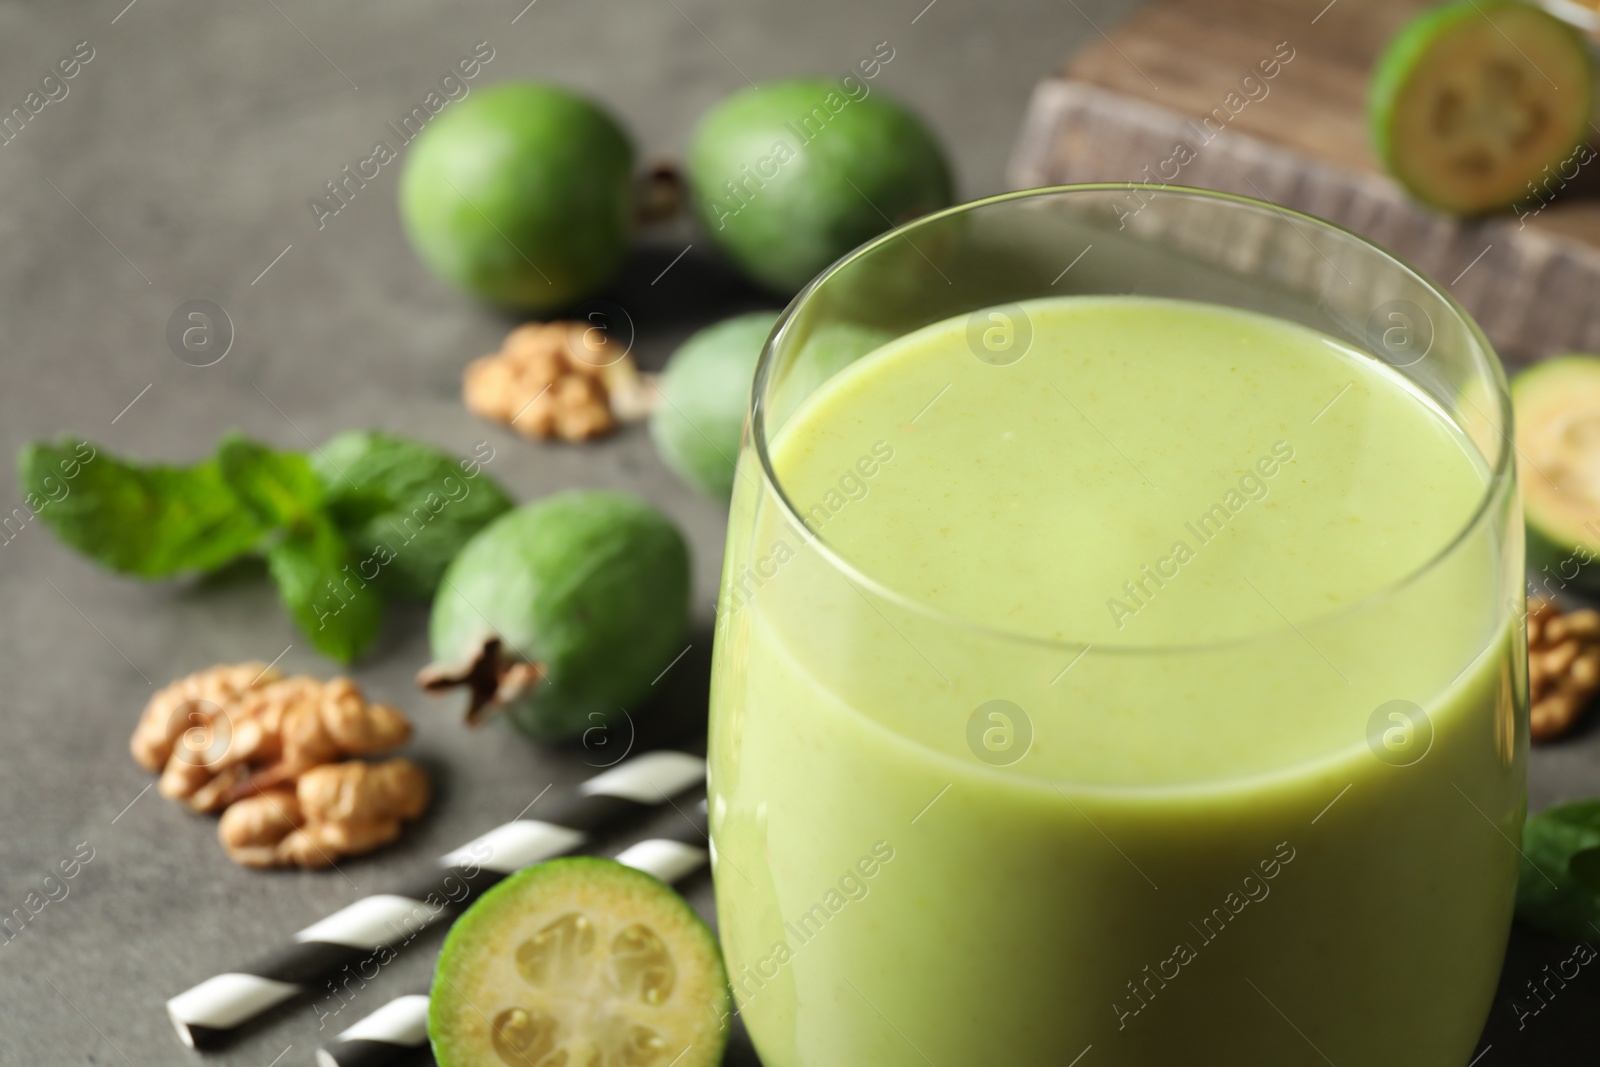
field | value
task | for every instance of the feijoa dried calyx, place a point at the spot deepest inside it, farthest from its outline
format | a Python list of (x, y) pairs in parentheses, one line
[(579, 962), (562, 613)]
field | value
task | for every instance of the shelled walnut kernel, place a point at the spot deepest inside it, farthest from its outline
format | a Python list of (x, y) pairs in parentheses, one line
[(557, 379), (1563, 666), (268, 749)]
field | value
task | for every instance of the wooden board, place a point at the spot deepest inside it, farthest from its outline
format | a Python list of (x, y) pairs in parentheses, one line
[(1176, 73)]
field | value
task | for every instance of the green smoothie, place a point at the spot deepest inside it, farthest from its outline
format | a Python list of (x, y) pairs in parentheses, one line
[(1151, 697)]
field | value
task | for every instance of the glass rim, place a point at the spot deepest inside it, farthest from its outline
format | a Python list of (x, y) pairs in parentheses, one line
[(1500, 475)]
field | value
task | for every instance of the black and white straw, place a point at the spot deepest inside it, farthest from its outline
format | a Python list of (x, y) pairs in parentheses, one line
[(207, 1014), (397, 1033)]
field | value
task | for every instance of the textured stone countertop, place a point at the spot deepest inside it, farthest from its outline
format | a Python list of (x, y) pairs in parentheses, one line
[(179, 166)]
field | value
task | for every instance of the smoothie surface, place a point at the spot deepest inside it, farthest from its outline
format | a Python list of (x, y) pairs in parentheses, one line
[(1150, 476), (1150, 473)]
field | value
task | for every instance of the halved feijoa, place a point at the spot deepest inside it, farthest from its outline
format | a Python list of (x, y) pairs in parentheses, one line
[(1558, 444), (1473, 100), (579, 962)]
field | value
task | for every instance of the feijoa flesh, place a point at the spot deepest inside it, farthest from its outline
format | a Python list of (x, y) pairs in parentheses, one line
[(1475, 101), (562, 613), (1557, 406), (579, 962)]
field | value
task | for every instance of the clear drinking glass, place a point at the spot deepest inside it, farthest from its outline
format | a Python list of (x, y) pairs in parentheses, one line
[(1294, 845)]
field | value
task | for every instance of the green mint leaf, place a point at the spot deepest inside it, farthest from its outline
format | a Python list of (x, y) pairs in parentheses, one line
[(149, 520), (1558, 890), (405, 507), (1585, 868), (339, 612), (280, 487)]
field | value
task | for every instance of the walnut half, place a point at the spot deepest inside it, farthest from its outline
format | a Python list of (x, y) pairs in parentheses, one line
[(334, 810), (557, 379), (242, 737), (1563, 666)]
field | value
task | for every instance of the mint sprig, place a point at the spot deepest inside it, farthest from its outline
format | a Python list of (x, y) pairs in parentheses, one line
[(330, 603), (279, 488), (1558, 890), (148, 521), (367, 517), (405, 507)]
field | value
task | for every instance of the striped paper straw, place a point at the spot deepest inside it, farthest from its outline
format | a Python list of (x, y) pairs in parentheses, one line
[(397, 1033), (208, 1014)]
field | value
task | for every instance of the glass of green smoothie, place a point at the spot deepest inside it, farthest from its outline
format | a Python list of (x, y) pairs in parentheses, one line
[(1120, 652)]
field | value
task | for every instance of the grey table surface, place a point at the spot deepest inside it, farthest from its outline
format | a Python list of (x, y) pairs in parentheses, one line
[(179, 166)]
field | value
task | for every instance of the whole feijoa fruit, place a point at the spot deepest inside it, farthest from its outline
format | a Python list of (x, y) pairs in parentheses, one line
[(705, 390), (522, 195), (790, 176), (563, 612)]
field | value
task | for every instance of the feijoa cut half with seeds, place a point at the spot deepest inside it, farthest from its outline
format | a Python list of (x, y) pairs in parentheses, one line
[(562, 613), (1557, 406), (1474, 100), (579, 962)]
